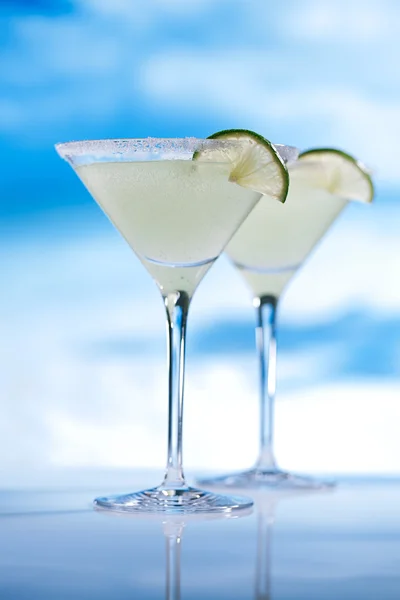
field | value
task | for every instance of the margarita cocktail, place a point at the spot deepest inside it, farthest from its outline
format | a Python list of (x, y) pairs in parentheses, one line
[(268, 249), (272, 244), (175, 214), (177, 204)]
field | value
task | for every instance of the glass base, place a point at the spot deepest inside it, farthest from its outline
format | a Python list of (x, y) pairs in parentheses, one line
[(266, 479), (166, 501)]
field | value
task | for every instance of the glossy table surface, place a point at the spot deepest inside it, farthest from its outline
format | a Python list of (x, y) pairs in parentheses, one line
[(343, 544)]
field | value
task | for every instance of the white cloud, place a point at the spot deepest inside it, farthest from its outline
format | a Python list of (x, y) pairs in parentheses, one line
[(81, 65), (61, 69), (111, 58), (72, 404), (255, 89), (367, 127), (46, 50), (354, 22), (345, 412)]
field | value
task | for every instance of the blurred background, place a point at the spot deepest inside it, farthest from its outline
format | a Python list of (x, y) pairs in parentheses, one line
[(83, 366)]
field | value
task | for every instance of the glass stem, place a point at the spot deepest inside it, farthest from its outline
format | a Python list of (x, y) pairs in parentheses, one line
[(177, 307), (266, 347)]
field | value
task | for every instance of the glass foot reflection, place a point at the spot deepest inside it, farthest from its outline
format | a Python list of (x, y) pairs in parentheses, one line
[(173, 526), (174, 501), (271, 479)]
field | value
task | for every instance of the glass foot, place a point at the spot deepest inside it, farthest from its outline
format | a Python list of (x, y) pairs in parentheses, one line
[(181, 501), (272, 479)]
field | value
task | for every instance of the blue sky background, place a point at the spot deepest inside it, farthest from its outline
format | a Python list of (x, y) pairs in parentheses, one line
[(82, 356)]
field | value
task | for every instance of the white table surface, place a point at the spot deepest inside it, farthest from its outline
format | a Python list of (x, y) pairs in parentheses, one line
[(343, 544)]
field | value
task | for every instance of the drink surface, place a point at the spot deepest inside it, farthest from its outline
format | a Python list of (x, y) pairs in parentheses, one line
[(276, 238), (177, 215)]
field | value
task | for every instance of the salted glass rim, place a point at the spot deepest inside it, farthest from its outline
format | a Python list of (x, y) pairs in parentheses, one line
[(117, 147)]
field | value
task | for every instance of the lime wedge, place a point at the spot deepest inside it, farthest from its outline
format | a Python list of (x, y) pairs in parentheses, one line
[(336, 172), (255, 162)]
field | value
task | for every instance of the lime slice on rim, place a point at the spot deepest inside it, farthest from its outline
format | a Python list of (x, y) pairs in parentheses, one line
[(336, 172), (255, 162)]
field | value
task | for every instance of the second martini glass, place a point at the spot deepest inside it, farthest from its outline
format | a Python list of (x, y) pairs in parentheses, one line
[(177, 214), (268, 249)]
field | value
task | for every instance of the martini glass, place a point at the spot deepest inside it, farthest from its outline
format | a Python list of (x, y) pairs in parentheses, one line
[(177, 215), (267, 250)]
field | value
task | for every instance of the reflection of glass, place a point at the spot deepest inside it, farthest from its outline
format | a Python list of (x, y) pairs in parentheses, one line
[(267, 250), (264, 543), (173, 538), (266, 511), (173, 530), (173, 527), (177, 215)]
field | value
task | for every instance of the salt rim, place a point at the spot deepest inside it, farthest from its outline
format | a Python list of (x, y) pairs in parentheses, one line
[(176, 147), (127, 145)]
